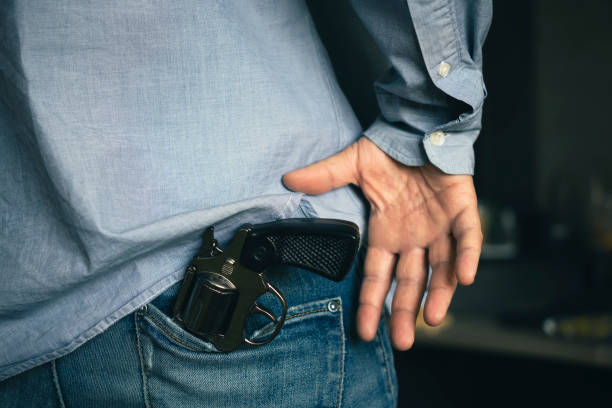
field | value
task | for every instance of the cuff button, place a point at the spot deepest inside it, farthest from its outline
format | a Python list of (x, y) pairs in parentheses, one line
[(444, 69), (437, 138)]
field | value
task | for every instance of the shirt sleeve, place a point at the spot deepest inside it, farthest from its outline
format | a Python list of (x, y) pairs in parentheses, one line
[(432, 96)]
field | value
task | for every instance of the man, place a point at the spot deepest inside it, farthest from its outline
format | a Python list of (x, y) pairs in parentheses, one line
[(129, 127)]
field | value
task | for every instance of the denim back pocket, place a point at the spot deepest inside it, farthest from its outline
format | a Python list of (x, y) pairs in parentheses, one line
[(302, 367)]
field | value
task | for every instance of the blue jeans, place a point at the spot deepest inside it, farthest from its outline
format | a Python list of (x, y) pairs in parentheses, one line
[(146, 359)]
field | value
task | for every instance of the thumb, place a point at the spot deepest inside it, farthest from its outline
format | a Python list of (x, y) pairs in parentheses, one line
[(327, 174)]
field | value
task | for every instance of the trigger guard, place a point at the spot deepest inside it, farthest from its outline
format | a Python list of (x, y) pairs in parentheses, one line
[(262, 310)]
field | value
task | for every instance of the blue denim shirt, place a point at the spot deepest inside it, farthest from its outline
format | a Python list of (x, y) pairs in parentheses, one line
[(127, 128)]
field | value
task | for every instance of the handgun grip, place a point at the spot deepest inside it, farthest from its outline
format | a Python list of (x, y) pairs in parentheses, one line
[(324, 246)]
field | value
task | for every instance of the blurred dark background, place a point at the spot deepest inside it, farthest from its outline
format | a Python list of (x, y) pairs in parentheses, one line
[(536, 326)]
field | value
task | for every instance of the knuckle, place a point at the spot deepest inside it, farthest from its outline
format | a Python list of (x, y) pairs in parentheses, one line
[(410, 281), (404, 311), (440, 264), (374, 280), (366, 302)]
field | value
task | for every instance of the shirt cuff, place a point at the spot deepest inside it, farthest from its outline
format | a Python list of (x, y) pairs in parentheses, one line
[(404, 146), (450, 151), (456, 153)]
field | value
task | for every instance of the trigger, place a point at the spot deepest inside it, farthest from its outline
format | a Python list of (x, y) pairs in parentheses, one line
[(262, 310)]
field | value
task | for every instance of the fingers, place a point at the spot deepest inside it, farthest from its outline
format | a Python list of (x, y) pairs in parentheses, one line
[(468, 233), (443, 281), (378, 270), (411, 278), (322, 176)]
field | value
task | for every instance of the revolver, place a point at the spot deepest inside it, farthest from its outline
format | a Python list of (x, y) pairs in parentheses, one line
[(221, 287)]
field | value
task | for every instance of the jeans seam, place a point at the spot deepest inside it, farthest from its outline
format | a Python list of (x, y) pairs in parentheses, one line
[(385, 358), (342, 358), (145, 381), (58, 389)]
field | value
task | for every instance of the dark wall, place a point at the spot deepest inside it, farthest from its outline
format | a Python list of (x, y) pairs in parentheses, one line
[(505, 150), (573, 89)]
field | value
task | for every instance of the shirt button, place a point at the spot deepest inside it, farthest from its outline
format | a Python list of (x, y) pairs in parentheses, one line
[(437, 138), (444, 69), (333, 306)]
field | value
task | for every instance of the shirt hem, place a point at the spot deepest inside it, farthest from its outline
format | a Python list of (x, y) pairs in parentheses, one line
[(145, 297)]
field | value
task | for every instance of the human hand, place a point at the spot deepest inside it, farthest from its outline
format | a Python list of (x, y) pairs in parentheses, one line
[(419, 216)]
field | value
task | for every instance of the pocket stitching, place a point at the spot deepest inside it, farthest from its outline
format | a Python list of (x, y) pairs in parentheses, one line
[(157, 323), (142, 314), (342, 359), (162, 327), (385, 359), (145, 378), (270, 326), (305, 313)]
